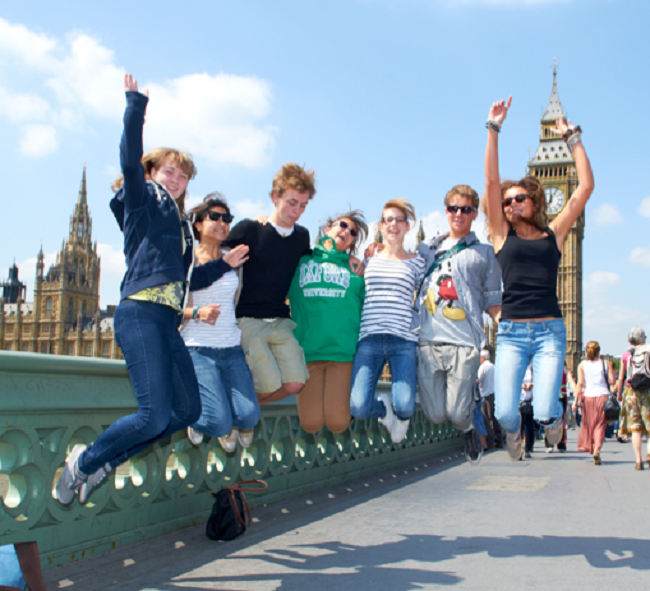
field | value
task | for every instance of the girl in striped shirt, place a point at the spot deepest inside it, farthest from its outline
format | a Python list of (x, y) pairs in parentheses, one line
[(392, 276)]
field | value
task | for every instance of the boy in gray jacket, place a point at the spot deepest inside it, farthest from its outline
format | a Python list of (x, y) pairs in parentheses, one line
[(462, 281)]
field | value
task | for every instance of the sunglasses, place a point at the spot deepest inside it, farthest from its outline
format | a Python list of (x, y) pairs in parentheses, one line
[(390, 219), (464, 209), (345, 226), (215, 216), (518, 198)]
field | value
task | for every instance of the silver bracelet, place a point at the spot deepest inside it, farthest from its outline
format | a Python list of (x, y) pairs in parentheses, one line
[(574, 139), (493, 125)]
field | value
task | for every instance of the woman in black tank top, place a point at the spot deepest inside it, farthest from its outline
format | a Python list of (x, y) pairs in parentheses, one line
[(529, 249)]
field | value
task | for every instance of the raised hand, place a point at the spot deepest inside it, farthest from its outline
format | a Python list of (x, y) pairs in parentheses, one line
[(562, 126), (499, 110), (237, 256), (260, 218), (131, 84), (209, 314)]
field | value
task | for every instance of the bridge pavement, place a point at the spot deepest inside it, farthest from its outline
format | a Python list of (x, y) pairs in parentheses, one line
[(553, 522)]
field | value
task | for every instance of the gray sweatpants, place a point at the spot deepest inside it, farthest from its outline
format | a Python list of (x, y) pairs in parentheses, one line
[(447, 382)]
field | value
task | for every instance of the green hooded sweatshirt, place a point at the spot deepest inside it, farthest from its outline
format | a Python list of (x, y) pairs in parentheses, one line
[(326, 301)]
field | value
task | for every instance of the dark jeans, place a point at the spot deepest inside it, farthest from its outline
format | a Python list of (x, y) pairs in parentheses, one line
[(228, 396), (528, 430), (163, 378), (491, 423)]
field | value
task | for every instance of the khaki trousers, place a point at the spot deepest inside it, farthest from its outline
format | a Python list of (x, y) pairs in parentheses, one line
[(325, 399)]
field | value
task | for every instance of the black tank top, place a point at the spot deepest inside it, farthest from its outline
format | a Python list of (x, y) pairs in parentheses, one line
[(529, 271)]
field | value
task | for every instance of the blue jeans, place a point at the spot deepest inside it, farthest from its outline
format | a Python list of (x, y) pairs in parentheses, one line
[(226, 387), (541, 343), (163, 378), (372, 353)]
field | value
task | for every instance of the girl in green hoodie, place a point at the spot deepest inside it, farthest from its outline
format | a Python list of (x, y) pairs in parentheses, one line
[(326, 303)]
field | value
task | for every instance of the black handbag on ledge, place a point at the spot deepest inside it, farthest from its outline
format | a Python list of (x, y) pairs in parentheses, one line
[(228, 518)]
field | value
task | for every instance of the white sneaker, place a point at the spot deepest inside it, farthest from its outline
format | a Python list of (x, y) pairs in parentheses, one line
[(399, 430), (246, 437), (389, 420), (194, 436), (513, 443), (229, 442), (91, 482), (554, 432), (71, 479), (549, 450)]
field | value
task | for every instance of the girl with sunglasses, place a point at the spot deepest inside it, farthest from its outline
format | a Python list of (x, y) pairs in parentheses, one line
[(392, 276), (528, 248), (158, 247), (229, 404), (326, 300)]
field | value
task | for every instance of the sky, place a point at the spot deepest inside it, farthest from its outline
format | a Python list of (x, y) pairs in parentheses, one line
[(382, 98)]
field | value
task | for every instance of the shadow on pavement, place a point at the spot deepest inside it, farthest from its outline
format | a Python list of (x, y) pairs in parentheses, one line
[(343, 566)]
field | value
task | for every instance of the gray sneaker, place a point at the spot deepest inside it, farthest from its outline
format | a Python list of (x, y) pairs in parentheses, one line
[(71, 479), (513, 442), (91, 482), (473, 450), (554, 432)]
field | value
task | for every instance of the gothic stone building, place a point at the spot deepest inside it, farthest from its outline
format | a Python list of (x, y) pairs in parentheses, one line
[(64, 318)]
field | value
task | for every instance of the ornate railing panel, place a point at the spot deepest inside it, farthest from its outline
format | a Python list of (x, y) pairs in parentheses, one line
[(50, 403)]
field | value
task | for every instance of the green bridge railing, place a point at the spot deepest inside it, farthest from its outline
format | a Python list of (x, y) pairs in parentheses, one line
[(50, 403)]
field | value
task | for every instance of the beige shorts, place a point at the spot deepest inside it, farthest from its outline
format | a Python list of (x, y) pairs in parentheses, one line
[(272, 353)]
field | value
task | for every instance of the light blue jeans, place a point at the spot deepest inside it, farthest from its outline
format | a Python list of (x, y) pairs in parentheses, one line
[(542, 344), (372, 353)]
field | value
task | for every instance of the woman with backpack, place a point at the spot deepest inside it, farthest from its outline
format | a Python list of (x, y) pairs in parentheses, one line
[(637, 398), (594, 375)]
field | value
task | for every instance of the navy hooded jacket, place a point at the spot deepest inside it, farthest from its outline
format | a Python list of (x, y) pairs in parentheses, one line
[(150, 221)]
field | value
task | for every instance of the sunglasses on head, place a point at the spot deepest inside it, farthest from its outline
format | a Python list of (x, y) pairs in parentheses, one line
[(215, 216), (344, 225), (465, 209), (518, 198)]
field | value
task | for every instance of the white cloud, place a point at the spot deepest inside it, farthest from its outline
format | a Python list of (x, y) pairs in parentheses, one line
[(38, 140), (609, 324), (212, 116), (250, 209), (644, 208), (217, 117), (607, 215), (640, 256), (113, 268), (599, 281)]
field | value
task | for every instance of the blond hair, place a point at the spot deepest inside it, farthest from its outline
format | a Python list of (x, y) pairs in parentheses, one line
[(403, 205), (592, 350), (158, 157), (293, 176)]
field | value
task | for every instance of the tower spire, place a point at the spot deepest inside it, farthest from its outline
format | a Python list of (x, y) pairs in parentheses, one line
[(83, 196), (554, 108)]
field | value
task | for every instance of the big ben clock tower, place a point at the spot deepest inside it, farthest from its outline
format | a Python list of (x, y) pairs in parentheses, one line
[(553, 165)]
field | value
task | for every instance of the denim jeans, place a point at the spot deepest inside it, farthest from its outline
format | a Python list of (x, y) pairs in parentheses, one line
[(372, 353), (163, 378), (541, 343), (226, 387)]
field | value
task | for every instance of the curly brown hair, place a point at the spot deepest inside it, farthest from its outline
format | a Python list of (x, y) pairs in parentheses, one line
[(294, 176), (536, 191)]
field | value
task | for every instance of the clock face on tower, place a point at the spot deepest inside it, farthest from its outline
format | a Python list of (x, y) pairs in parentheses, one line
[(554, 200)]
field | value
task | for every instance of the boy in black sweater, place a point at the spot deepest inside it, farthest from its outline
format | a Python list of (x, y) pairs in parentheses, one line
[(274, 356)]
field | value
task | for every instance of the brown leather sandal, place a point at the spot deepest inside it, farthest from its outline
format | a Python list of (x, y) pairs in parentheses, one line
[(638, 466)]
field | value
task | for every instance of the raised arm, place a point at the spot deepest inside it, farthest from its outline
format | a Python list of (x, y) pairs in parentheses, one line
[(131, 149), (563, 222), (496, 220)]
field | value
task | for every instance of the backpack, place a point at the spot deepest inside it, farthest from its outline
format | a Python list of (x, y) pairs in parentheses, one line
[(228, 519), (638, 369)]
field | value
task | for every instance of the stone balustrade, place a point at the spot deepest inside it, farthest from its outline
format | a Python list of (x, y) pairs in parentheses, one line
[(50, 403)]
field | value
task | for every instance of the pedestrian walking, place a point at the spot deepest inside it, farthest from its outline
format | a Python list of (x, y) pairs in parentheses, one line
[(594, 376), (526, 412), (637, 400), (486, 387), (529, 249)]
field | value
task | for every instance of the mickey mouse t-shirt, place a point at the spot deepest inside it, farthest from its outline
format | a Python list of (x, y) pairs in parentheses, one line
[(447, 322)]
